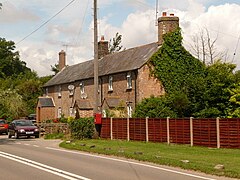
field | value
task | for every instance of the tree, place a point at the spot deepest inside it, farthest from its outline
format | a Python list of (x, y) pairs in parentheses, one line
[(10, 64), (115, 43), (204, 47), (55, 68), (11, 104)]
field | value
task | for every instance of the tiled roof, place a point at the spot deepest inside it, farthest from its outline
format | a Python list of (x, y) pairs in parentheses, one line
[(126, 60), (46, 102), (83, 104)]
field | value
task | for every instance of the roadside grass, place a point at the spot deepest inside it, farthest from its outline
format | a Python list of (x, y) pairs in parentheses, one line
[(200, 158), (54, 136)]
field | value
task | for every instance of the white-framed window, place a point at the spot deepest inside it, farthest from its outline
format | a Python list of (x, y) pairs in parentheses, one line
[(82, 90), (46, 91), (129, 81), (110, 83), (59, 113), (129, 110), (59, 91), (71, 111)]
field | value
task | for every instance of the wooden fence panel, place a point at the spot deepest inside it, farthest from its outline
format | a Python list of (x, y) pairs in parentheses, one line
[(230, 133), (157, 130), (105, 130), (137, 129), (205, 132), (119, 128), (179, 131)]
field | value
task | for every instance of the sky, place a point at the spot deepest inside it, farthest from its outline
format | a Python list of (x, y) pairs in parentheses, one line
[(40, 35)]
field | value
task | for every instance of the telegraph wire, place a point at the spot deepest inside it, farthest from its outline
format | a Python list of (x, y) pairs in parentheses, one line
[(45, 22)]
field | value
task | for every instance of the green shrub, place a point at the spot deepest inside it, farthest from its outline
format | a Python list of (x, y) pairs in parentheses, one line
[(82, 128)]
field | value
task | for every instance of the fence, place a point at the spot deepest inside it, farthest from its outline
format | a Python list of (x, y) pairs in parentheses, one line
[(196, 132)]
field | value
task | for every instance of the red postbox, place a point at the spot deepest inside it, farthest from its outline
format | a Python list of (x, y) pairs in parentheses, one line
[(98, 118)]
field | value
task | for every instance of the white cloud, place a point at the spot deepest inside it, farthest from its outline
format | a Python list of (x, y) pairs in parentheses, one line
[(12, 14), (137, 29)]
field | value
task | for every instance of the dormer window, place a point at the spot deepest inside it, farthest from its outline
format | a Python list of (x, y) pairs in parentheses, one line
[(59, 91), (82, 91), (129, 81), (110, 83)]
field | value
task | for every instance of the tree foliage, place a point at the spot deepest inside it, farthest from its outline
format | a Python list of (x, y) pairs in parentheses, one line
[(10, 64), (115, 43), (20, 87)]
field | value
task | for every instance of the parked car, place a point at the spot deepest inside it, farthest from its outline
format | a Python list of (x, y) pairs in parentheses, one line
[(3, 126), (22, 127), (32, 117)]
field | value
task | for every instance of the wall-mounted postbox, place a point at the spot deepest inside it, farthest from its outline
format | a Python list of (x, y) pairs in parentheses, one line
[(98, 118)]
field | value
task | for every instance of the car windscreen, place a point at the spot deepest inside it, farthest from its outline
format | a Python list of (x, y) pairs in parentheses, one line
[(2, 122), (24, 123)]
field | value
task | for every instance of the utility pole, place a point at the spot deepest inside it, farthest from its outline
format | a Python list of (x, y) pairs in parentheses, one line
[(95, 109)]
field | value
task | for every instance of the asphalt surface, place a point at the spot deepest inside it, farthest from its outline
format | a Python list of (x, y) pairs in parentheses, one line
[(23, 159)]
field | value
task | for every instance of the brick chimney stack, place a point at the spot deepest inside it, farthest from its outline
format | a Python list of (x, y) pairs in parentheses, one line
[(166, 24), (62, 60), (102, 48)]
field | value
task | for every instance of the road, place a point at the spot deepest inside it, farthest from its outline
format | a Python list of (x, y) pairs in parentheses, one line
[(39, 159)]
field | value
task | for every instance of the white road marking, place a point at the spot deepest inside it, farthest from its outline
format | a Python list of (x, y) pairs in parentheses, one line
[(26, 144), (135, 163), (43, 167), (18, 143), (35, 145)]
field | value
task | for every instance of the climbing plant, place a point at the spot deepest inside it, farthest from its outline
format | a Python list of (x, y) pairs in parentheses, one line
[(182, 75)]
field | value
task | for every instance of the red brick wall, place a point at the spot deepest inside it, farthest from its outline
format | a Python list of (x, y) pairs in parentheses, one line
[(148, 85), (45, 113)]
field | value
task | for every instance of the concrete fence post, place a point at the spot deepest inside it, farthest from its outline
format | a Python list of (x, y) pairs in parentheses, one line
[(128, 134), (191, 130), (111, 128), (168, 131), (218, 132), (146, 129)]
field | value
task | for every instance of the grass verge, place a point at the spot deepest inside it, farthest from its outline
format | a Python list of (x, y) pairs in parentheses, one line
[(194, 158), (54, 136)]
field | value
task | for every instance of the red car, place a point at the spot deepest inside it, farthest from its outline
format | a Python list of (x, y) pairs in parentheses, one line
[(3, 126), (22, 127)]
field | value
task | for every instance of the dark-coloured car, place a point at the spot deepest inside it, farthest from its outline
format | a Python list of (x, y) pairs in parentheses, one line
[(3, 126), (22, 127)]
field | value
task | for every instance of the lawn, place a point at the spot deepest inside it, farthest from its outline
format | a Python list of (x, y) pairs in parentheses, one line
[(195, 158)]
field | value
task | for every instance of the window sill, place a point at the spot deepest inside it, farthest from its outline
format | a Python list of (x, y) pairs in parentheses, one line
[(110, 90)]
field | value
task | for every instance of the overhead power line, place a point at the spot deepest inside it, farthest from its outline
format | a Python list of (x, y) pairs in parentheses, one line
[(45, 22)]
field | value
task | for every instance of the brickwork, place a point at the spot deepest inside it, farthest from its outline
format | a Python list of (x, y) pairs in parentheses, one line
[(45, 113), (166, 24), (148, 85), (143, 86)]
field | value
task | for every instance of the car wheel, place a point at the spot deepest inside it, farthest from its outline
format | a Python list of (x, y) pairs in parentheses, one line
[(16, 135), (9, 135), (37, 136)]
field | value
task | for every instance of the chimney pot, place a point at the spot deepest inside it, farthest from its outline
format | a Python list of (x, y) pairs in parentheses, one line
[(171, 14), (164, 14), (102, 38)]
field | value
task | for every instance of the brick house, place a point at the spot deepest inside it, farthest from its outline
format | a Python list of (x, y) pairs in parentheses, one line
[(124, 79)]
